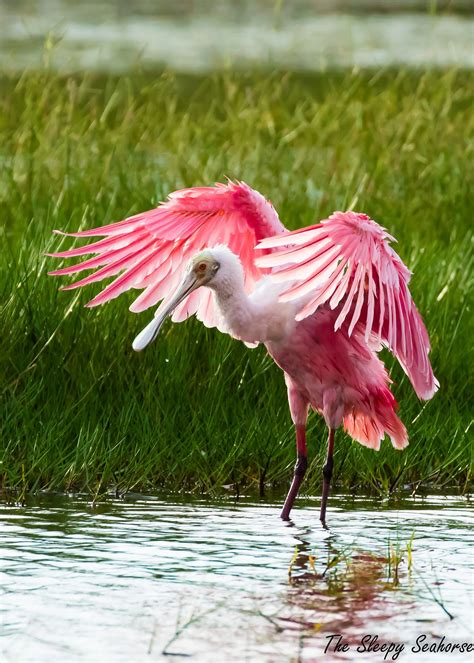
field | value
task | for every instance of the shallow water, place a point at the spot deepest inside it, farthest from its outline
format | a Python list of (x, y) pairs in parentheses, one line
[(133, 580), (114, 35)]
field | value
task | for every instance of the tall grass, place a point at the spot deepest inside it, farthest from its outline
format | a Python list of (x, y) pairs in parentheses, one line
[(199, 410)]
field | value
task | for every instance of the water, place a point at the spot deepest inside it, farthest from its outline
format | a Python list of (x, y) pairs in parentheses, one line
[(115, 35), (208, 580)]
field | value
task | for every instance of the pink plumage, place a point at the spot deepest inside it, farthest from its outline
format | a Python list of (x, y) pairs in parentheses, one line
[(150, 250), (323, 299), (346, 261)]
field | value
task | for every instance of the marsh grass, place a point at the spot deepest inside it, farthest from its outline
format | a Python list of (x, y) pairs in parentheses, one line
[(198, 410)]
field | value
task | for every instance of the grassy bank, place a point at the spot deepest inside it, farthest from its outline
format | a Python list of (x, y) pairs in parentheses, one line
[(198, 410)]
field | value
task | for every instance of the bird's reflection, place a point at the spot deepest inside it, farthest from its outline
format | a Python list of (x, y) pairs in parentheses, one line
[(335, 587)]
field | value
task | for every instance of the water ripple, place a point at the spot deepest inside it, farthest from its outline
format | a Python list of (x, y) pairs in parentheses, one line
[(132, 578)]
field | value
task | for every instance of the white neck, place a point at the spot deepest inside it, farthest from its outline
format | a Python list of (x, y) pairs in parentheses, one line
[(237, 309), (254, 318)]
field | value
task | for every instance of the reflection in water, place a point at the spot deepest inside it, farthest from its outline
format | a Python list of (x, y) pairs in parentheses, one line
[(138, 579), (344, 589)]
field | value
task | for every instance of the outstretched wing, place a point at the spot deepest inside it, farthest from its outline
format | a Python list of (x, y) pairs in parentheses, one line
[(346, 261), (150, 251)]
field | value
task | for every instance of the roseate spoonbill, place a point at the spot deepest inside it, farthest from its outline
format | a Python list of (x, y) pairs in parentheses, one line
[(323, 300)]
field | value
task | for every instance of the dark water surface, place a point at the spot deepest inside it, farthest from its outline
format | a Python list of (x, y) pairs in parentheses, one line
[(136, 579)]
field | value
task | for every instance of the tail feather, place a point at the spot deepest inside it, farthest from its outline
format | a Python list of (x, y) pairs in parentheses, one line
[(370, 426)]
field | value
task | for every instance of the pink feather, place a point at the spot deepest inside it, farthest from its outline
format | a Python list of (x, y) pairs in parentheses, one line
[(143, 246), (373, 290)]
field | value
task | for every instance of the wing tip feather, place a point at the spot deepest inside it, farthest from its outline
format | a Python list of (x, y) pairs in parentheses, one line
[(427, 392)]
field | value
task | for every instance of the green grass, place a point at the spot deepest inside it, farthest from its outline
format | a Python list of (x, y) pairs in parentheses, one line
[(81, 410)]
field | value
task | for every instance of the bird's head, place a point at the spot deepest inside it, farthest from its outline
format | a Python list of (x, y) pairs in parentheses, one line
[(211, 268), (202, 268), (217, 268)]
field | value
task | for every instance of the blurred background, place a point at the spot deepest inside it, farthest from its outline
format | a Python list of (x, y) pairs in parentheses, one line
[(199, 35)]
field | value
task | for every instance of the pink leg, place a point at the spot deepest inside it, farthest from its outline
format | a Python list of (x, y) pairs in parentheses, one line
[(327, 474), (300, 470), (299, 414)]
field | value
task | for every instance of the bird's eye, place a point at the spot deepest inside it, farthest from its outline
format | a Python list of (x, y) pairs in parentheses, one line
[(202, 267)]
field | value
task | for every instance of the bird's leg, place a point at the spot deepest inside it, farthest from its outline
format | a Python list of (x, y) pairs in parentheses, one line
[(327, 474), (300, 470)]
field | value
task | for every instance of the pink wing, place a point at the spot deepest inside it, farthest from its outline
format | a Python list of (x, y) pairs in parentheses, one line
[(346, 261), (150, 251)]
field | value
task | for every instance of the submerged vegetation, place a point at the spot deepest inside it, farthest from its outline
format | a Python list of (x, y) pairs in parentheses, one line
[(81, 410)]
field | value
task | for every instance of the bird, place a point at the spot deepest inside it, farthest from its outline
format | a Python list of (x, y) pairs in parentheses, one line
[(323, 300)]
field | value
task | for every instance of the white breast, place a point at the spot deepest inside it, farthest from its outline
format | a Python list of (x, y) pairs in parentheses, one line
[(275, 320)]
